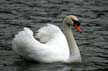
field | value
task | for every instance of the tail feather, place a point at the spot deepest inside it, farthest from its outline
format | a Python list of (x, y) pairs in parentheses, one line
[(21, 39)]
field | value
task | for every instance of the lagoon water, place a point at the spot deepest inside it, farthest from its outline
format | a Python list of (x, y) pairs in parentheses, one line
[(92, 42)]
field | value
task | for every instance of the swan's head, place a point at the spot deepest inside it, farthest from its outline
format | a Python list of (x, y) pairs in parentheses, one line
[(72, 20)]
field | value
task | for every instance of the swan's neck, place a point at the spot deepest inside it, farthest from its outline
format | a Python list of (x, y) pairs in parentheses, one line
[(74, 51)]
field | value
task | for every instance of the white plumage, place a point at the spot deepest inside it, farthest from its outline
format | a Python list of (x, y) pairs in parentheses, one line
[(53, 50), (53, 45)]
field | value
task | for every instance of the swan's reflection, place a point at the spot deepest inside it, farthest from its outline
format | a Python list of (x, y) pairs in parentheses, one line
[(34, 66)]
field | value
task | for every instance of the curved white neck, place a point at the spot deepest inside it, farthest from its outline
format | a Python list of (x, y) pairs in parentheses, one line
[(74, 51)]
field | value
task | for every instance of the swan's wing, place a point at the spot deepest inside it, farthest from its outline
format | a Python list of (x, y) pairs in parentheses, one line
[(47, 32), (24, 43), (27, 46), (42, 34)]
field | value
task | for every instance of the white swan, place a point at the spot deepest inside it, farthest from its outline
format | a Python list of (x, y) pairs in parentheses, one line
[(54, 45)]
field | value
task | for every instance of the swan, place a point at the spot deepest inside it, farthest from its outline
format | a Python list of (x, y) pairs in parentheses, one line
[(54, 45)]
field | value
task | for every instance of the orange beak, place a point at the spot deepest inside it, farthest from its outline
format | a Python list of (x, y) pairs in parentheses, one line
[(78, 28)]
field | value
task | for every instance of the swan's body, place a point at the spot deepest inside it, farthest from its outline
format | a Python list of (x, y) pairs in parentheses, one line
[(56, 46)]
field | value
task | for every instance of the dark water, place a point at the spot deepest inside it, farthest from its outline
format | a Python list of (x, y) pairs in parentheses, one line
[(92, 42)]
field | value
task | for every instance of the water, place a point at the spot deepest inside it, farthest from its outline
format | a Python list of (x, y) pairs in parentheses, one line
[(92, 42)]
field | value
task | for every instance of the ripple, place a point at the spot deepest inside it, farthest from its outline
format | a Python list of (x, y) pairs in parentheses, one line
[(92, 42)]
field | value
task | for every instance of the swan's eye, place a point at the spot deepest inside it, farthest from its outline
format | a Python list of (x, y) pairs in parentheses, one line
[(76, 23)]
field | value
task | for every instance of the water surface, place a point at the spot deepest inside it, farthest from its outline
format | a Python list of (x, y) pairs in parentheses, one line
[(92, 42)]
